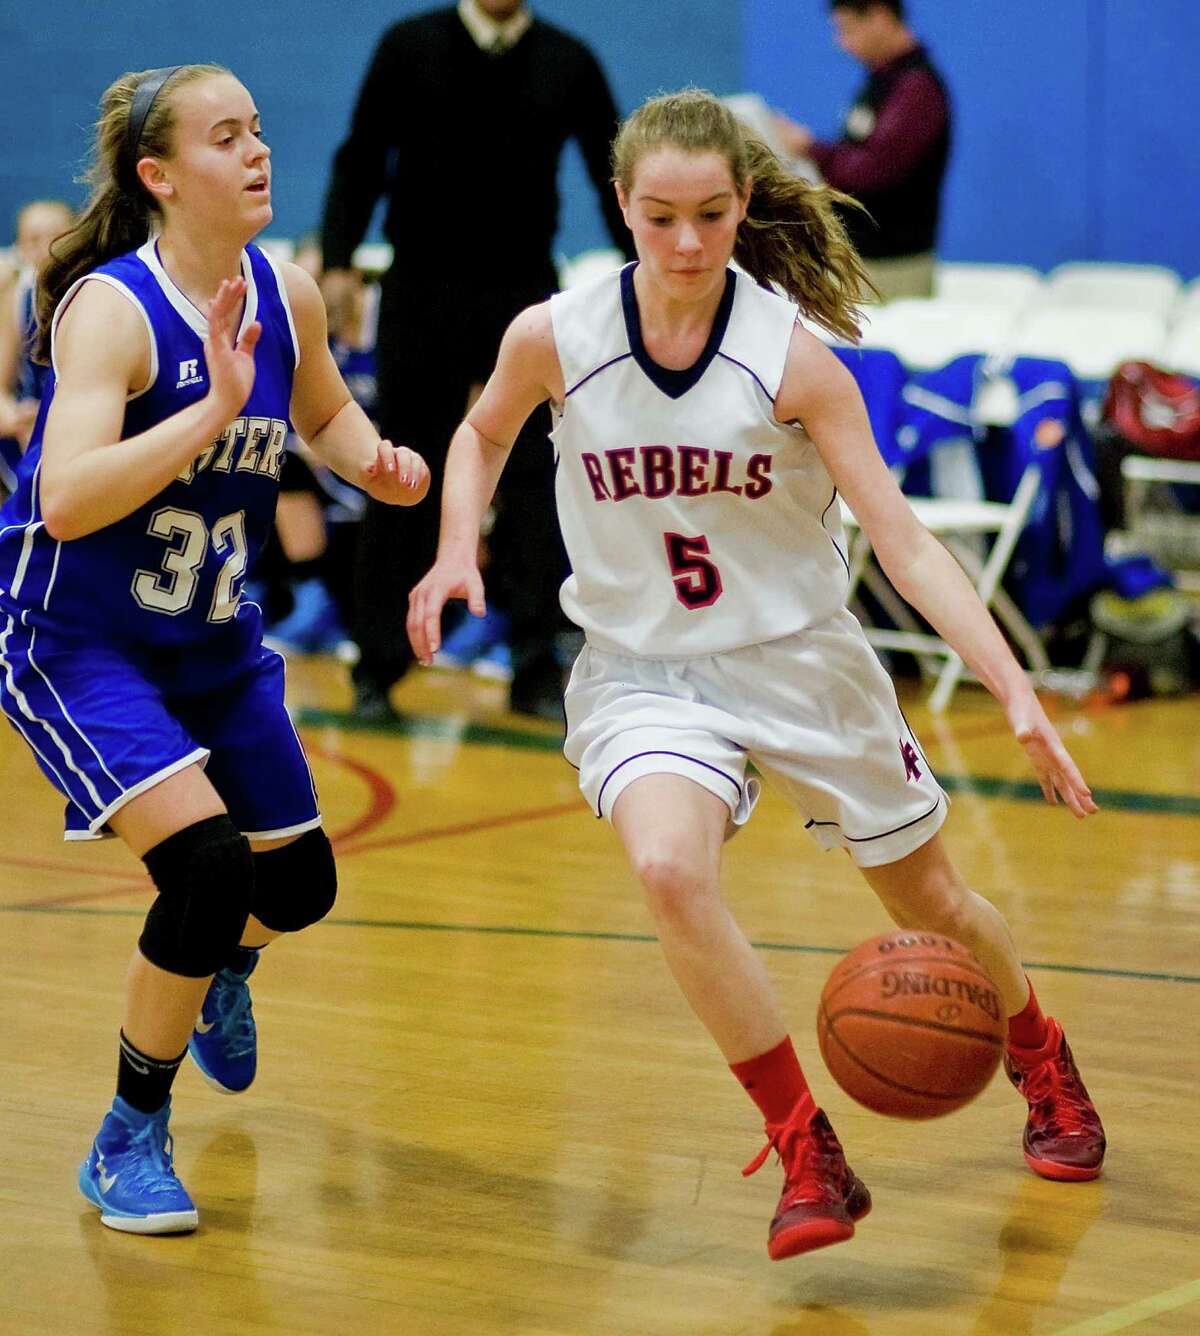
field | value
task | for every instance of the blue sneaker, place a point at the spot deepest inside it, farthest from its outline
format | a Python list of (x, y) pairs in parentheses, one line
[(471, 639), (224, 1044), (495, 663), (129, 1174), (313, 625)]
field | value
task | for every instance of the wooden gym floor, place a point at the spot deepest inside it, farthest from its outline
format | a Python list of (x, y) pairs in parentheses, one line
[(483, 1108)]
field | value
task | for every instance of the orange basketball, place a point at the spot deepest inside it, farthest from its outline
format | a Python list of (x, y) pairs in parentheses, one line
[(911, 1025)]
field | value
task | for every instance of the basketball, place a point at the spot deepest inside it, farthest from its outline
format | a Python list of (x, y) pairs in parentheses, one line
[(911, 1025)]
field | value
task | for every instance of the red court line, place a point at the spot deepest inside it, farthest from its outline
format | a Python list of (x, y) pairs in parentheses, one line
[(47, 865), (391, 842), (468, 827), (383, 796), (382, 801)]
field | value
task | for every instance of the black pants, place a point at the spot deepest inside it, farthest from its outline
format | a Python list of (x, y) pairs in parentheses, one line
[(434, 343)]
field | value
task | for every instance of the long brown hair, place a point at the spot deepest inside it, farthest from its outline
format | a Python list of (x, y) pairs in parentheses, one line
[(791, 235), (120, 211)]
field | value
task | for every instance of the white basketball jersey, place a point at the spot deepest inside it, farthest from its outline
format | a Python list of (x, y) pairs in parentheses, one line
[(695, 523)]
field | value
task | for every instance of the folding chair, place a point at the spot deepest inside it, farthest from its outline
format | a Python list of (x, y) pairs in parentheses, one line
[(1149, 288), (1182, 352), (1092, 341), (1187, 308), (936, 413), (589, 264), (927, 333), (1007, 286)]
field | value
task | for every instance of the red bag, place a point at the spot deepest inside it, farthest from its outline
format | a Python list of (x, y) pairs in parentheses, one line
[(1156, 411)]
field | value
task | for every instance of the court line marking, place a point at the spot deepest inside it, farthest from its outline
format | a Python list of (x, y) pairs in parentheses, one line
[(1131, 1314), (592, 935), (986, 786), (139, 881), (382, 794)]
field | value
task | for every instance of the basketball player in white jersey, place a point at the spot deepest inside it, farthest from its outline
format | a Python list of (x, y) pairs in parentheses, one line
[(702, 437)]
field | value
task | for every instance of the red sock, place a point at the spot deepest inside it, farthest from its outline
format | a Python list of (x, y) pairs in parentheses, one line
[(774, 1081), (1028, 1029)]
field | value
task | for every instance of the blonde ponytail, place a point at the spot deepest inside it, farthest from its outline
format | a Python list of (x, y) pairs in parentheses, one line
[(791, 237), (120, 212)]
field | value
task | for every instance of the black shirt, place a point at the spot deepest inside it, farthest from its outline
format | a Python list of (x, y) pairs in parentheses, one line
[(465, 144)]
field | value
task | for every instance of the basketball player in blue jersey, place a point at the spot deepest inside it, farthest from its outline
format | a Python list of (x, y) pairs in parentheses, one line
[(702, 437), (128, 661)]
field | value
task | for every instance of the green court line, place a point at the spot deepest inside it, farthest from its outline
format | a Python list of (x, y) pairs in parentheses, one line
[(1119, 1319), (983, 786), (586, 935), (426, 726), (1113, 800)]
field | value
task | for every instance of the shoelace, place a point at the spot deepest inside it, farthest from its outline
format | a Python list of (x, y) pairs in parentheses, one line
[(232, 1001), (806, 1151), (151, 1159), (1055, 1090)]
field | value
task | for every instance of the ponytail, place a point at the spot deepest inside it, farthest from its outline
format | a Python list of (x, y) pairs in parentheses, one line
[(120, 213), (791, 237)]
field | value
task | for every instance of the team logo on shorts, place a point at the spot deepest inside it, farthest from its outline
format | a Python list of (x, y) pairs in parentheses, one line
[(909, 754)]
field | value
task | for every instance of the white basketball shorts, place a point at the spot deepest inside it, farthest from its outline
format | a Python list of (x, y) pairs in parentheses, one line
[(815, 712)]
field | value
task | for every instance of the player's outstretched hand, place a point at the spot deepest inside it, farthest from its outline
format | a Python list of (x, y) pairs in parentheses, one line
[(230, 360), (397, 476), (1057, 773), (444, 581)]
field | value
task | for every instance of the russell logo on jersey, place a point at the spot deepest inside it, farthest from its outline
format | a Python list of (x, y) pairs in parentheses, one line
[(189, 373)]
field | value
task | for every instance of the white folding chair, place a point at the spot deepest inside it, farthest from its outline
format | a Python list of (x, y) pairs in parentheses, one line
[(1182, 351), (1187, 306), (1093, 342), (373, 257), (1151, 288), (589, 264), (964, 522), (955, 523), (278, 248), (1012, 286), (927, 333)]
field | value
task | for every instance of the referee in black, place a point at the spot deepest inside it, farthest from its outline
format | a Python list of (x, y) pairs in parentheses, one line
[(460, 123)]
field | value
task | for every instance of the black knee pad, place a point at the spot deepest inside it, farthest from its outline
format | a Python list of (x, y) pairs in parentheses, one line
[(295, 885), (205, 875)]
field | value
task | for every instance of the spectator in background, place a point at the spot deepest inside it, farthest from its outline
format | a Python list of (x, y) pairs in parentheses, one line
[(317, 518), (22, 379), (894, 146), (460, 123)]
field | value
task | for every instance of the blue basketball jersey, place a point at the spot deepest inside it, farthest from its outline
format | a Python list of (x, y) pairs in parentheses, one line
[(169, 574)]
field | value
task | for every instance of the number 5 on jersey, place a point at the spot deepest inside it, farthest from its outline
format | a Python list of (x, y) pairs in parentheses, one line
[(697, 580)]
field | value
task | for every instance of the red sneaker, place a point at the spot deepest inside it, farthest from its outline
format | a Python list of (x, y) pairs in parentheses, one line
[(822, 1197), (1064, 1138)]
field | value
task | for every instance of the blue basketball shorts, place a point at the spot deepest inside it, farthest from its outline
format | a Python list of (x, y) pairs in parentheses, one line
[(105, 727)]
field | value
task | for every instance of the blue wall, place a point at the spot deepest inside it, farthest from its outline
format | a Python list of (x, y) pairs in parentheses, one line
[(304, 62), (1077, 122)]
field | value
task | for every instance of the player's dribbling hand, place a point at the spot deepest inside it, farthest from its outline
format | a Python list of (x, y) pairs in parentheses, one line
[(444, 581), (397, 476), (1057, 773), (230, 360)]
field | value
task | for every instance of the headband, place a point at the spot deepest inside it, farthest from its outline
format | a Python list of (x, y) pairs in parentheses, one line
[(139, 108)]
